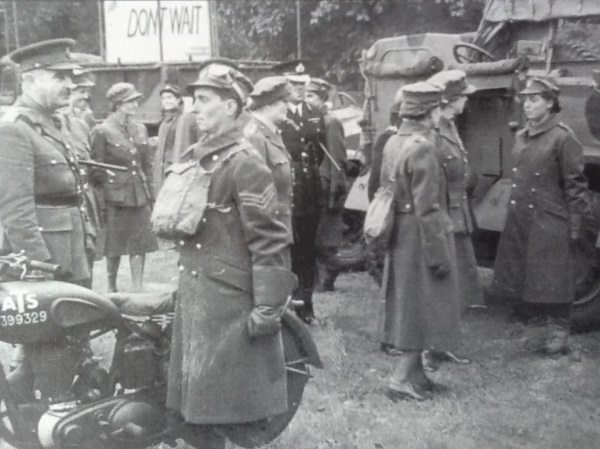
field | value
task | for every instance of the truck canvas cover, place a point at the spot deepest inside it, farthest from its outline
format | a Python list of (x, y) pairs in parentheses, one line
[(538, 10)]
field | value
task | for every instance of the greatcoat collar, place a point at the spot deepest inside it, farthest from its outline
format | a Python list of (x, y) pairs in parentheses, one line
[(539, 128)]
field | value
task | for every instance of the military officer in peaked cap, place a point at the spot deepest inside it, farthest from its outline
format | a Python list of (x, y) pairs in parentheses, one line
[(422, 308), (536, 253), (303, 133), (334, 183), (41, 193), (268, 111), (227, 364)]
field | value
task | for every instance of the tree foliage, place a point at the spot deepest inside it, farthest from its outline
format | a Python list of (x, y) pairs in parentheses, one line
[(333, 33)]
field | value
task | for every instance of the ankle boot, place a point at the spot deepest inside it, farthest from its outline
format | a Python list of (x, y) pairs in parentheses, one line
[(136, 264), (112, 268)]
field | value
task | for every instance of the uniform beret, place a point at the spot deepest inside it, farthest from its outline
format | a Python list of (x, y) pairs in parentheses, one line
[(318, 86), (121, 93), (172, 88), (222, 77), (419, 98), (295, 71), (538, 85), (53, 54), (453, 83), (269, 90)]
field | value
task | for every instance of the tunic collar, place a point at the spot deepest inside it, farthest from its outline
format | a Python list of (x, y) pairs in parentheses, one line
[(539, 128), (226, 139), (265, 122), (409, 126)]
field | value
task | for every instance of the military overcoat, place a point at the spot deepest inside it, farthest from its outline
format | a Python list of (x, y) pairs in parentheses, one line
[(420, 310), (455, 163), (547, 201), (218, 374), (268, 143), (41, 192)]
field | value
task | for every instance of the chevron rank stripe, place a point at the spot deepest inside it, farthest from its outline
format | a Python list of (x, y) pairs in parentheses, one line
[(260, 200)]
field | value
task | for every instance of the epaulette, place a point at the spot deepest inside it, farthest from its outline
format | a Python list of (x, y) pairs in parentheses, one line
[(10, 115), (250, 129), (566, 127)]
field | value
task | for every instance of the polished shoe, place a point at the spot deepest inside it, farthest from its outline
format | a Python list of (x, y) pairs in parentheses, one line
[(305, 314), (405, 391)]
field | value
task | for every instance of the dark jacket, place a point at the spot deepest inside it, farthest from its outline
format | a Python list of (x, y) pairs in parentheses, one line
[(125, 145), (218, 374), (302, 134), (421, 311), (175, 133), (41, 191), (548, 199), (269, 144), (335, 185)]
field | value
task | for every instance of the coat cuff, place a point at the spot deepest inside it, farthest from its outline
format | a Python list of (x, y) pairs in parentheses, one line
[(434, 240), (272, 288)]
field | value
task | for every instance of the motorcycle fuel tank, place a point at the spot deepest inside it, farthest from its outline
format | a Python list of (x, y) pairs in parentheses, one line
[(33, 312)]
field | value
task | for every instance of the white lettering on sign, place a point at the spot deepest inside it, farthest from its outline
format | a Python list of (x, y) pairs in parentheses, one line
[(18, 302), (23, 318), (133, 30)]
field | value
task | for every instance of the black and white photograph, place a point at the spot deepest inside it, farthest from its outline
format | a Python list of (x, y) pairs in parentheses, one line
[(299, 224)]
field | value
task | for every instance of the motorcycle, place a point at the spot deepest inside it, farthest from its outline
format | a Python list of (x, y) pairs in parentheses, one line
[(60, 395)]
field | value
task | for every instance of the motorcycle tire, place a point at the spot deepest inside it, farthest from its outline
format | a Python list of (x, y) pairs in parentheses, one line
[(258, 433)]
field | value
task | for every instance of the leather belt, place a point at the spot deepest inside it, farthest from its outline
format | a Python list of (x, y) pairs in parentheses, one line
[(63, 201)]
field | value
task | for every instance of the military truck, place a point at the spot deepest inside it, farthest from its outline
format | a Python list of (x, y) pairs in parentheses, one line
[(516, 39)]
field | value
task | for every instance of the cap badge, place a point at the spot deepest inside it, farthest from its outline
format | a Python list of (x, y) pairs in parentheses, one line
[(300, 68)]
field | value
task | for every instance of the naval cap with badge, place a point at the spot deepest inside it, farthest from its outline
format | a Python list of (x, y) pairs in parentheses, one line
[(223, 78), (52, 55), (295, 71), (453, 83), (121, 93), (419, 98), (269, 90)]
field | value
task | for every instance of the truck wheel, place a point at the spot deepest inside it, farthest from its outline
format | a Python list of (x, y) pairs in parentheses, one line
[(586, 308), (259, 433)]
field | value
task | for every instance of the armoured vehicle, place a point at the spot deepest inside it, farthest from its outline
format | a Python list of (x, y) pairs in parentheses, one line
[(516, 39)]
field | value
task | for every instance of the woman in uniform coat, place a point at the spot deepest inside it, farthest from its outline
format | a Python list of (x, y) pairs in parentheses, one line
[(269, 110), (119, 140), (422, 307), (534, 264)]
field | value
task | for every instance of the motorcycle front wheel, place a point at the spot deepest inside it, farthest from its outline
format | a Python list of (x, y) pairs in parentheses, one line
[(259, 433)]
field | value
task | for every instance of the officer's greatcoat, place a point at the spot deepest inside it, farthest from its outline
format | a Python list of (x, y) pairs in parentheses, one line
[(547, 202), (218, 374), (453, 158), (421, 311), (41, 195)]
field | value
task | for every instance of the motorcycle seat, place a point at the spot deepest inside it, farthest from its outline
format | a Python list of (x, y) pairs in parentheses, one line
[(158, 301)]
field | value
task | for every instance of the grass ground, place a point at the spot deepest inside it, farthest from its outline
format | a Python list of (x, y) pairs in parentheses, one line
[(506, 398)]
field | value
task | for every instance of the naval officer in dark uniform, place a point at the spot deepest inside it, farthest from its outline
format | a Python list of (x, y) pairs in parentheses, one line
[(41, 196), (303, 133)]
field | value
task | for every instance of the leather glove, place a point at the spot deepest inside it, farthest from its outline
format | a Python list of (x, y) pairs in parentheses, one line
[(272, 289), (440, 271)]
